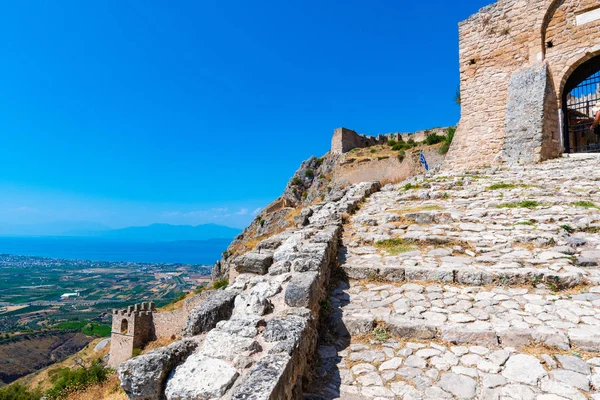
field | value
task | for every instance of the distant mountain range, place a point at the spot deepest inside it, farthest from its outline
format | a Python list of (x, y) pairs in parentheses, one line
[(150, 233)]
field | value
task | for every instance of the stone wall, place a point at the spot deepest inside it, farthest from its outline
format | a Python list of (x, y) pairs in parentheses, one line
[(255, 340), (345, 140), (500, 43), (171, 323), (389, 169), (145, 324)]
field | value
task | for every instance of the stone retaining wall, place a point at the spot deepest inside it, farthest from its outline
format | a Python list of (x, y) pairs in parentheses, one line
[(256, 339)]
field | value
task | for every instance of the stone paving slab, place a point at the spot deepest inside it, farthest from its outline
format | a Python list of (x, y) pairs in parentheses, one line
[(394, 369), (491, 316)]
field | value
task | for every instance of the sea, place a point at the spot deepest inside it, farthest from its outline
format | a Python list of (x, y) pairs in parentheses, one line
[(204, 252)]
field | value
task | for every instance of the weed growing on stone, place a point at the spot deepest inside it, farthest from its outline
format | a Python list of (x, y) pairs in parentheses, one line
[(590, 229), (394, 246), (410, 186), (381, 333), (585, 204), (221, 284), (448, 140), (521, 204), (529, 223), (568, 228), (502, 185)]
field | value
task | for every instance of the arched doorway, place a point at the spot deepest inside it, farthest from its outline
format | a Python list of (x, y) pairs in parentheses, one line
[(581, 93)]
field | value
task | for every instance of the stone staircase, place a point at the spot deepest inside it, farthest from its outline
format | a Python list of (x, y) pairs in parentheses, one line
[(469, 285)]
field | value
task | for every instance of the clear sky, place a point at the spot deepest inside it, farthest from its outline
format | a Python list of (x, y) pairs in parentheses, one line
[(133, 112)]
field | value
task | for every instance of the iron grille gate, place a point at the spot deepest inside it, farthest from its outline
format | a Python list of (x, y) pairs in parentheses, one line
[(582, 93)]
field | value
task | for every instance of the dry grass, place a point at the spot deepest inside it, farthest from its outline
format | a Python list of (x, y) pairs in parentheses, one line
[(107, 390), (40, 379), (177, 305), (366, 154), (158, 343), (407, 210)]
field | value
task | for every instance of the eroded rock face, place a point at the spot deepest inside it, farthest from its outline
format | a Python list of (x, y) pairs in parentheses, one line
[(217, 307), (264, 380), (200, 378), (143, 377)]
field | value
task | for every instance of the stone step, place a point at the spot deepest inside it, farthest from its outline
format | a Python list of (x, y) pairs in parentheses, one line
[(393, 369), (490, 316), (470, 275)]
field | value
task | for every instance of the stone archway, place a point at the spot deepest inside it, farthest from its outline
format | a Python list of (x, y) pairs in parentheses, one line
[(580, 93)]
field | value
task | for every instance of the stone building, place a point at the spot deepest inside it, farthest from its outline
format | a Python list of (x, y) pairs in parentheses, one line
[(131, 328), (134, 327), (529, 80)]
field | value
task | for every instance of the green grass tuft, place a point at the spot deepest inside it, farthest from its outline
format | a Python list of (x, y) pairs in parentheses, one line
[(585, 204), (498, 186), (381, 333), (521, 204), (410, 186), (394, 246)]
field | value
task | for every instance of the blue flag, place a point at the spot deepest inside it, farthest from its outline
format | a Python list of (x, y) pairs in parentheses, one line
[(423, 161)]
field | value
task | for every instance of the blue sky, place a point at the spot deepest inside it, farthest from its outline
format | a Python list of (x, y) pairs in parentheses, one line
[(134, 112)]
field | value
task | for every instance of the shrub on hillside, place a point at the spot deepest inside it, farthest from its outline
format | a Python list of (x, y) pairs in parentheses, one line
[(221, 283), (309, 173), (67, 380), (401, 155), (434, 138), (296, 181), (400, 146), (19, 392), (448, 140), (391, 143)]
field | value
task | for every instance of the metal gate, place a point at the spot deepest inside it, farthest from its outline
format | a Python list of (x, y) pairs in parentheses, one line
[(581, 94)]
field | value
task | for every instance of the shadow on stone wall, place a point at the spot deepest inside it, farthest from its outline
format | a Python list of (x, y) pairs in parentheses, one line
[(334, 338)]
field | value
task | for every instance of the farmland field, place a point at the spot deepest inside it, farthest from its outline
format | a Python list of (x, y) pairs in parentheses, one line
[(47, 303)]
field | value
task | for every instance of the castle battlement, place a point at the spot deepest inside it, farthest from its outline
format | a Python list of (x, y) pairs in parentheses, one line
[(145, 308)]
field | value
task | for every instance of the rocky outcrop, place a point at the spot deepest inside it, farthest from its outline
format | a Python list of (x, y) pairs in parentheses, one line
[(217, 307), (143, 377)]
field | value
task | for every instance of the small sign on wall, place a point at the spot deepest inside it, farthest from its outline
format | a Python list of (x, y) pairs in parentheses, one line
[(588, 17)]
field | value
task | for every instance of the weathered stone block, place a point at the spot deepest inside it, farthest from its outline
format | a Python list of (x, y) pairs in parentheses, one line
[(217, 307), (265, 380), (144, 377), (253, 262), (200, 378), (300, 290)]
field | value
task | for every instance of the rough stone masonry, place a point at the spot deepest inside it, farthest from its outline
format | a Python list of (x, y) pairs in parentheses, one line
[(255, 339), (515, 59)]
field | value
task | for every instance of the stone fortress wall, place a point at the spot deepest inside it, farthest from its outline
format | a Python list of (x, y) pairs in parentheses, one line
[(134, 327), (515, 59), (382, 169), (345, 139)]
